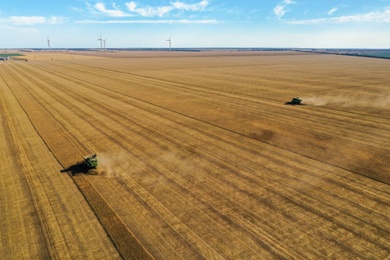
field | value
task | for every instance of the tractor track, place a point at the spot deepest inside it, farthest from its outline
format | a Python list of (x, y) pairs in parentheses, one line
[(177, 143)]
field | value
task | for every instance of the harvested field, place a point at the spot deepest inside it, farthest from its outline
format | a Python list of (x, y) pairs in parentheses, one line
[(199, 157)]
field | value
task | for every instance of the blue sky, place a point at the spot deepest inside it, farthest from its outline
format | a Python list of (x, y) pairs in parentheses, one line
[(195, 23)]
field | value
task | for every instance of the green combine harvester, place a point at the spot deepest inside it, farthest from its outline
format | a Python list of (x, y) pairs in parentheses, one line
[(295, 101), (90, 162)]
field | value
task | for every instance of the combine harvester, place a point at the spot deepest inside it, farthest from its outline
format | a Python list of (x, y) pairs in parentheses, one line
[(90, 162), (295, 101), (88, 165)]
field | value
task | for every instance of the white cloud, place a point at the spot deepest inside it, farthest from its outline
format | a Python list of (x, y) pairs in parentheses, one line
[(331, 11), (280, 9), (376, 16), (32, 20), (191, 7), (149, 11), (110, 12)]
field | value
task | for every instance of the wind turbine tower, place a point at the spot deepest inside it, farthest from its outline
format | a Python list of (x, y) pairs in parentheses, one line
[(101, 41), (48, 43), (170, 42)]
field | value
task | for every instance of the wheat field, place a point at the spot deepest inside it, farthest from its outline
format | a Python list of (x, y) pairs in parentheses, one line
[(199, 157)]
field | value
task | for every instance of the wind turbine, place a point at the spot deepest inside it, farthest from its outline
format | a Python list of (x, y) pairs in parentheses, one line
[(101, 41), (48, 43), (170, 42)]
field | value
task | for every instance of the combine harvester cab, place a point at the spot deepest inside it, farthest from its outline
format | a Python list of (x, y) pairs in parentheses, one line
[(295, 101)]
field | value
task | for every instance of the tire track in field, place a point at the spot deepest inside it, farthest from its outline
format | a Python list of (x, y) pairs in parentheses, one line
[(127, 245)]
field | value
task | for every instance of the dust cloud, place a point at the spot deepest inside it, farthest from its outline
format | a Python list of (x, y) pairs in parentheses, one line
[(377, 101), (118, 165), (125, 165)]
